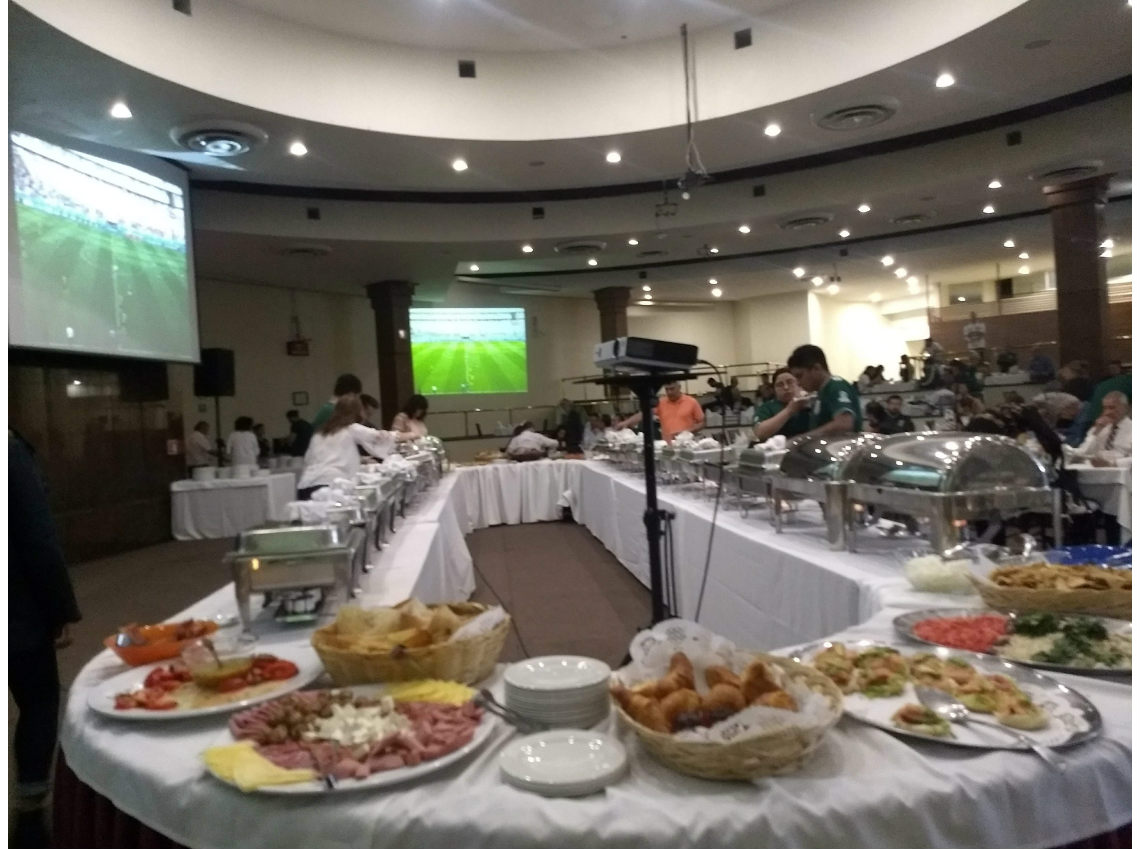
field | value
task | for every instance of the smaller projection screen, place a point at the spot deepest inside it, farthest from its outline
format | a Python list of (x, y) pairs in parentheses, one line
[(469, 351)]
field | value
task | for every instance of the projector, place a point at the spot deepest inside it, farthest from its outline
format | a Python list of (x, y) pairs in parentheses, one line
[(632, 353)]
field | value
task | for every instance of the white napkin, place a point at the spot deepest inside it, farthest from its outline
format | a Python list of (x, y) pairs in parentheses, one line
[(481, 624)]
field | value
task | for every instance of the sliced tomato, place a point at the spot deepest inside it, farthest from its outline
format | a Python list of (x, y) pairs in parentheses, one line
[(279, 670), (125, 701), (234, 682)]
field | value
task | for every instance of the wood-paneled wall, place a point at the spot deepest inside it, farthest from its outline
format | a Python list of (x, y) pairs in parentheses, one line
[(104, 457)]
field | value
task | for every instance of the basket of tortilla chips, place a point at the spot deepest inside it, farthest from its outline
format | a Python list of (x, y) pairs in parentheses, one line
[(1088, 589), (409, 641)]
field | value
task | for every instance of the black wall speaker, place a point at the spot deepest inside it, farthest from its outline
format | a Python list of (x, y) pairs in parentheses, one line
[(1005, 287), (141, 381), (215, 375)]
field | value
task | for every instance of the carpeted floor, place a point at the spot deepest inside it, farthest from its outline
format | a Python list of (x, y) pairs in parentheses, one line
[(565, 593)]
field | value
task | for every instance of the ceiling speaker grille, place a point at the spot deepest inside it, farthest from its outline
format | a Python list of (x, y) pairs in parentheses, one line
[(912, 218), (855, 117), (580, 247), (805, 222), (1064, 173)]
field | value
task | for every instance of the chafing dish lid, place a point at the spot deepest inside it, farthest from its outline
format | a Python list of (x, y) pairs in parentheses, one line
[(819, 457)]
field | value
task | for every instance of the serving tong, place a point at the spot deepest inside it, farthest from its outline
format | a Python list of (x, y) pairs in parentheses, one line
[(486, 700)]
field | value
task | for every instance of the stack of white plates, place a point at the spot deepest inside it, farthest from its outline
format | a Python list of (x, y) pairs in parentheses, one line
[(562, 691), (563, 763)]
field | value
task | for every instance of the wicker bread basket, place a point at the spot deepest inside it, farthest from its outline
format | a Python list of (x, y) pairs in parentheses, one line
[(465, 661), (773, 753), (1114, 603)]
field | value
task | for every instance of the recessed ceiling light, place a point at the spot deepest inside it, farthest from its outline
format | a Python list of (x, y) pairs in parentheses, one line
[(685, 195), (1106, 253), (298, 148), (1108, 243), (645, 303), (633, 242), (912, 281), (817, 281), (988, 209), (995, 184), (1008, 243), (613, 157), (799, 272), (844, 233), (647, 296), (876, 297), (960, 298), (772, 130), (944, 80), (119, 109), (714, 250), (888, 260), (712, 281), (77, 382), (900, 272), (1023, 269), (745, 229), (591, 261), (864, 208), (1023, 255), (474, 267), (526, 249), (716, 293), (459, 164), (833, 289), (646, 288)]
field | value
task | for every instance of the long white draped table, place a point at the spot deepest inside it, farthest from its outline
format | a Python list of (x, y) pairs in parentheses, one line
[(1111, 488), (224, 508), (863, 788)]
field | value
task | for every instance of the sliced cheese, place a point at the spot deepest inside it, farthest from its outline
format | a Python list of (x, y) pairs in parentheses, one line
[(430, 690), (240, 764)]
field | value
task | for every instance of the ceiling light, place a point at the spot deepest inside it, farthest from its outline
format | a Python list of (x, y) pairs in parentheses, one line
[(1108, 243), (714, 250), (633, 242), (944, 80), (1008, 243), (1023, 255), (745, 229), (900, 272), (844, 233), (988, 209), (817, 281), (685, 195), (119, 109), (864, 208), (77, 382), (1023, 269), (995, 184), (912, 281), (474, 267), (298, 148), (833, 289), (772, 130), (459, 164), (613, 157), (646, 288), (799, 272), (591, 261), (647, 296), (876, 297), (961, 299), (1106, 253), (645, 303), (888, 260), (712, 281), (526, 249), (716, 293)]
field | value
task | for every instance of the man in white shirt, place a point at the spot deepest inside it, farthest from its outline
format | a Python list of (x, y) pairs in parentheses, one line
[(527, 442), (975, 333), (199, 451), (1109, 441)]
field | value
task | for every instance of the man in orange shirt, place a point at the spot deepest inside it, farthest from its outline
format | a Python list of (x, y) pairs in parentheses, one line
[(675, 412)]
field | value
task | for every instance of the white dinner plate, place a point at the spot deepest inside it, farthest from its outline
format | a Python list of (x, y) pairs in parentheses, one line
[(557, 672), (563, 763), (102, 697), (387, 777)]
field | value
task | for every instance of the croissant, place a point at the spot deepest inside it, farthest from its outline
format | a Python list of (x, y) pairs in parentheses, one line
[(721, 675), (723, 698), (679, 702), (648, 712), (757, 680)]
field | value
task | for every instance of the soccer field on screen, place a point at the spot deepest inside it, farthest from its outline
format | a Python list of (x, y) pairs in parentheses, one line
[(453, 368)]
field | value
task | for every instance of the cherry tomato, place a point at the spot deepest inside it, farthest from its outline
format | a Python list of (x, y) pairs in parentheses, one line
[(234, 682), (279, 670)]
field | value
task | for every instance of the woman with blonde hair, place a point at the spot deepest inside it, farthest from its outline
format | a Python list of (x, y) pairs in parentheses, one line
[(333, 450)]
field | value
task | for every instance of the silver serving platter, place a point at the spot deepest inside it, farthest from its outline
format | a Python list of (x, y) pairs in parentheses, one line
[(904, 627), (990, 665)]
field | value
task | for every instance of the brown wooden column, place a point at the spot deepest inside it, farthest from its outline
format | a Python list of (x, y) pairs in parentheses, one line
[(1077, 211), (612, 305), (391, 300)]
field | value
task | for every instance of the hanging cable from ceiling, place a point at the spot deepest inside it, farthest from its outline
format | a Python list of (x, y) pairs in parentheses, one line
[(695, 172)]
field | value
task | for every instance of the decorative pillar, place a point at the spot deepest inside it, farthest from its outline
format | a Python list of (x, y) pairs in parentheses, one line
[(613, 302), (1077, 212), (391, 300)]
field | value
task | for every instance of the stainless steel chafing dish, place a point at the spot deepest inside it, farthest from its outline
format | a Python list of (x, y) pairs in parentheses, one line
[(434, 445), (810, 469), (278, 560), (949, 479)]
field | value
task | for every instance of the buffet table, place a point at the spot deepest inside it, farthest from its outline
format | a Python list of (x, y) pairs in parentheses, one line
[(218, 509), (518, 493), (1111, 488), (863, 787)]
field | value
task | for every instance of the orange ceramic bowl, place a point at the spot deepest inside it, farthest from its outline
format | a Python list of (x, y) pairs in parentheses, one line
[(160, 644)]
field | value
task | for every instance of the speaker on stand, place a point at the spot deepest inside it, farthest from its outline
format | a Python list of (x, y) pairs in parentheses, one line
[(214, 377)]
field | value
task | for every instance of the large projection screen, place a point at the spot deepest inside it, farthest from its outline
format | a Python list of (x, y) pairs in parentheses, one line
[(472, 350), (99, 252)]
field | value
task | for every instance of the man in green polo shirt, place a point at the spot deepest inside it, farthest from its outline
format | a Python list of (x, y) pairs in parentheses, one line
[(785, 414), (837, 408)]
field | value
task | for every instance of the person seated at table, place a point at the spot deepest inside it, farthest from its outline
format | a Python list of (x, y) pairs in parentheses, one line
[(264, 449), (596, 426), (1059, 409), (1109, 441), (200, 450), (1092, 410), (334, 451), (675, 412), (346, 386), (572, 425), (906, 370), (241, 445), (873, 415), (300, 432), (411, 418), (1040, 367), (784, 414), (836, 408), (1006, 361), (528, 444), (893, 420)]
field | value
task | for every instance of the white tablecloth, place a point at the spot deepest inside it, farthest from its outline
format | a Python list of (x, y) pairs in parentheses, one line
[(223, 508), (1109, 487), (518, 493)]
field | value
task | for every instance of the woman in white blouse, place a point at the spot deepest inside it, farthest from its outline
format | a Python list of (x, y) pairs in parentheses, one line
[(411, 418), (241, 445), (333, 450)]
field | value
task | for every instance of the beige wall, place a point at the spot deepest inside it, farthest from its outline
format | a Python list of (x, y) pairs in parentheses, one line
[(855, 336), (712, 329), (772, 326)]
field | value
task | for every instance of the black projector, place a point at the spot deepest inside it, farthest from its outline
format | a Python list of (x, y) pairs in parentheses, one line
[(632, 353)]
